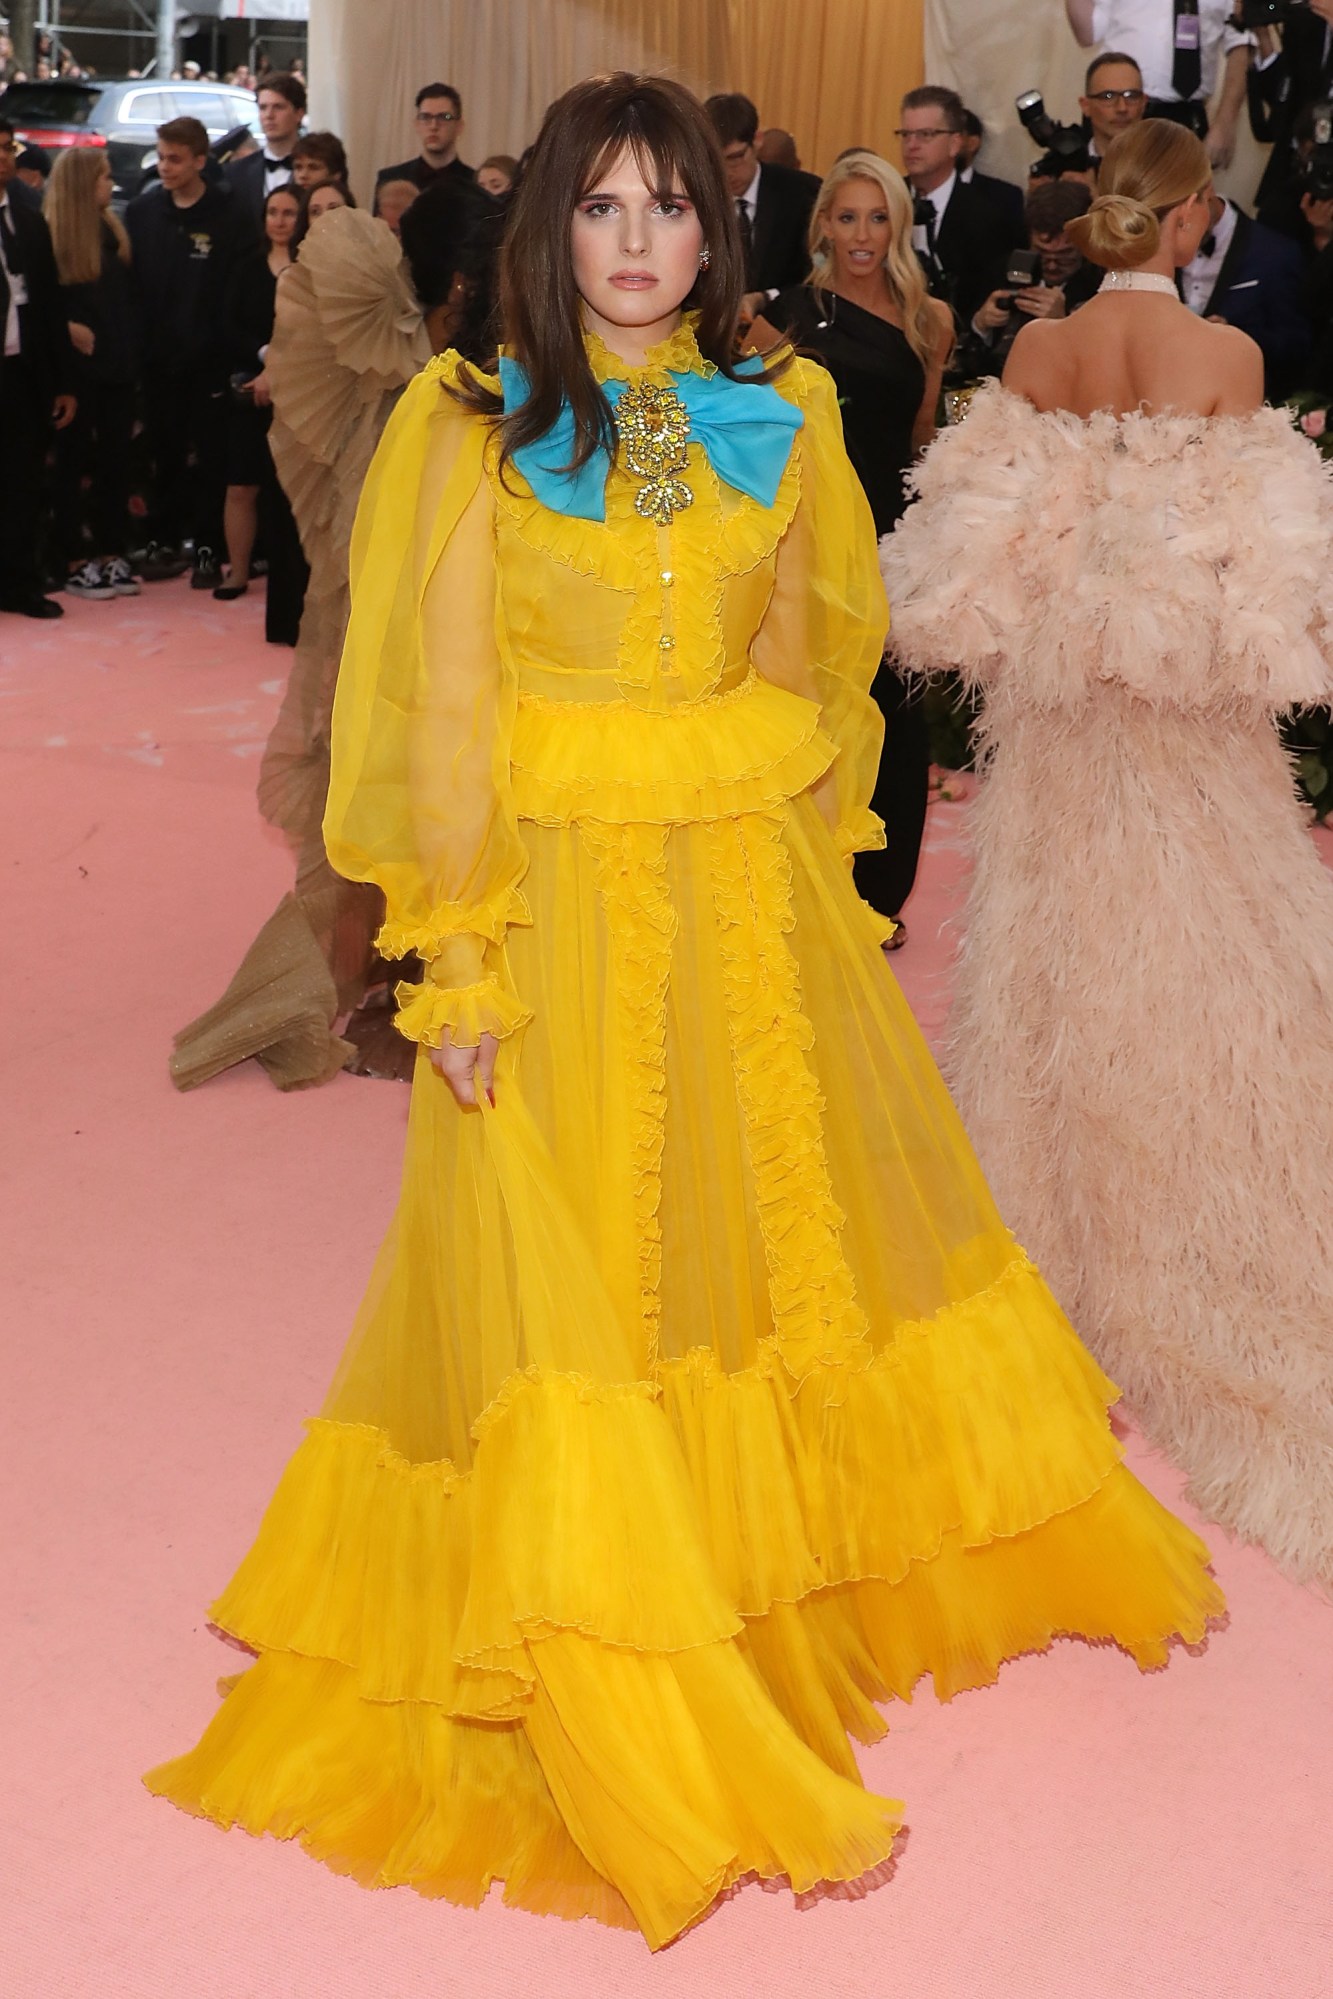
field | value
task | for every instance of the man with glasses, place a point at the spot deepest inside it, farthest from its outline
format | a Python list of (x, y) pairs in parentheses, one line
[(1182, 48), (1113, 99), (439, 118), (962, 237)]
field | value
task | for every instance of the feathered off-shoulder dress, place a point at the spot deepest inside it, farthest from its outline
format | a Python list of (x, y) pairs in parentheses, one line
[(1142, 1039), (701, 1399)]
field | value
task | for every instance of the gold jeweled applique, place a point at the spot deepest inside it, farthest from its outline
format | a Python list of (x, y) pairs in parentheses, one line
[(654, 429)]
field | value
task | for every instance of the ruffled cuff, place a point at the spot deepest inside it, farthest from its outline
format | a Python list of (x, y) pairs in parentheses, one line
[(427, 935), (861, 832), (468, 1012)]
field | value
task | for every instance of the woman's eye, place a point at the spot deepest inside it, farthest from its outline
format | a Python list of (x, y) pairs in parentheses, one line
[(669, 206), (596, 209)]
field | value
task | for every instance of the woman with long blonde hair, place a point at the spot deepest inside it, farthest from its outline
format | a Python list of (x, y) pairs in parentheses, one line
[(93, 260), (1126, 556), (866, 313)]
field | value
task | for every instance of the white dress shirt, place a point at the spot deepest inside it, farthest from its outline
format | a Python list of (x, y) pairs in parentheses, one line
[(18, 291), (1144, 29), (275, 176), (1198, 280), (939, 199)]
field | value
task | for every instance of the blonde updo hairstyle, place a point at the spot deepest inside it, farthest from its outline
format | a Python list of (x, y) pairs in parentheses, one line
[(1149, 170)]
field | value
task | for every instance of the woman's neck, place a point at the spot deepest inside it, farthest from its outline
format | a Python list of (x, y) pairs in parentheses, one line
[(630, 344), (279, 256), (870, 290)]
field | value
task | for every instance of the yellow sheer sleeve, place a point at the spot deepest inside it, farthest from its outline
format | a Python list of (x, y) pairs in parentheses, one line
[(419, 793), (824, 631)]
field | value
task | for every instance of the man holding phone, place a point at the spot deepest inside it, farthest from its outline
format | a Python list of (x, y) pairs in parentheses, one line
[(1048, 280)]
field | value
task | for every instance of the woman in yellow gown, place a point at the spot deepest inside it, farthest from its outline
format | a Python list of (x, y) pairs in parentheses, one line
[(701, 1399)]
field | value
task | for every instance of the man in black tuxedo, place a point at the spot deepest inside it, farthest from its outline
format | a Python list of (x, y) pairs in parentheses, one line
[(1287, 79), (773, 204), (1002, 193), (253, 177), (1250, 277), (963, 237), (36, 364), (439, 121)]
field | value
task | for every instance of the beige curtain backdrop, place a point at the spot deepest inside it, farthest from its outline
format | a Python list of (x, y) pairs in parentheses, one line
[(991, 50), (829, 71)]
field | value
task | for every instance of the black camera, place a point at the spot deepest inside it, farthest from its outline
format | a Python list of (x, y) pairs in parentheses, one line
[(1315, 175), (1065, 146), (1268, 13)]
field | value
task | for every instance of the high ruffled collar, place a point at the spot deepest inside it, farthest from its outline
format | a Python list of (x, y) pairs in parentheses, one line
[(677, 354)]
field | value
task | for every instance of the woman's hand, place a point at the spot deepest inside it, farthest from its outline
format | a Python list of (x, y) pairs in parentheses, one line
[(259, 388), (82, 337), (464, 1068)]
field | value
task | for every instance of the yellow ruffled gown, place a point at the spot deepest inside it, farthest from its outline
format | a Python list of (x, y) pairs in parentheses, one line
[(700, 1399)]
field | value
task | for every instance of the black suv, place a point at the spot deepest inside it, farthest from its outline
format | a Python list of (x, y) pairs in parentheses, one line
[(122, 115)]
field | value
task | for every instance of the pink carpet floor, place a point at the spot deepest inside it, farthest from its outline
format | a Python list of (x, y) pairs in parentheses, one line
[(179, 1274)]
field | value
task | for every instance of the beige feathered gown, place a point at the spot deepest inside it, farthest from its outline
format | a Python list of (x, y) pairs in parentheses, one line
[(1142, 1042)]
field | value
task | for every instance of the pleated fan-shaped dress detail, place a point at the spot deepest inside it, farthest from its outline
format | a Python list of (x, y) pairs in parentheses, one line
[(700, 1399)]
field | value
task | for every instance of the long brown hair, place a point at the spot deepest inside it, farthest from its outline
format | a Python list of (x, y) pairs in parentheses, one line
[(77, 221), (673, 144)]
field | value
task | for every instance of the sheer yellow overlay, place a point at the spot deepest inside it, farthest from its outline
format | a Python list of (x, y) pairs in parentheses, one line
[(700, 1399)]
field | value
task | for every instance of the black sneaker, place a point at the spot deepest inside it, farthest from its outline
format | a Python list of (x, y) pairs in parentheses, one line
[(90, 581), (206, 575), (119, 577), (161, 562)]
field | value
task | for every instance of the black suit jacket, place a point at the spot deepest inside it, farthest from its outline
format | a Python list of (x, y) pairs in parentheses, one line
[(972, 246), (44, 343), (1261, 290), (1001, 194), (780, 246), (1301, 75), (245, 178)]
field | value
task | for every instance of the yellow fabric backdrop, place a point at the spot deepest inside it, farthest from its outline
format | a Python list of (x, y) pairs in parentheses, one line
[(830, 71)]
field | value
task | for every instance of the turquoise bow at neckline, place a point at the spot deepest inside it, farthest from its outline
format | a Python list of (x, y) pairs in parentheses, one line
[(746, 430)]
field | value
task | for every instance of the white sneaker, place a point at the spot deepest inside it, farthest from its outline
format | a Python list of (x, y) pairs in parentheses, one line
[(90, 581), (121, 577)]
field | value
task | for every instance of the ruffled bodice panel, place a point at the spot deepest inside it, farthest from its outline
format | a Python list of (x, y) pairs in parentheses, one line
[(1181, 558)]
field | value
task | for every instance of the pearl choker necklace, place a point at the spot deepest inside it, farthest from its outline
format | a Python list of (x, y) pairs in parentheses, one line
[(1139, 281)]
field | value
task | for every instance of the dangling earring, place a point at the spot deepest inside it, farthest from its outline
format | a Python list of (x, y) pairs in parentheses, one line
[(705, 259)]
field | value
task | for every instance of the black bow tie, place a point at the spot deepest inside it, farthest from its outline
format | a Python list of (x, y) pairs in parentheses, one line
[(1208, 245), (277, 163)]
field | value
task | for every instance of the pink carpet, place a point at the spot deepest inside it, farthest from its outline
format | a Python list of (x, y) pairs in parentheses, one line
[(179, 1276)]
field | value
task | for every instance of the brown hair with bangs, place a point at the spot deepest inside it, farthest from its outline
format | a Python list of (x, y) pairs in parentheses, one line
[(669, 134)]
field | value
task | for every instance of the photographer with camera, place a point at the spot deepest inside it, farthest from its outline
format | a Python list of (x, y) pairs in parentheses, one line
[(1301, 207), (1048, 280), (1293, 72), (1183, 48), (1113, 99)]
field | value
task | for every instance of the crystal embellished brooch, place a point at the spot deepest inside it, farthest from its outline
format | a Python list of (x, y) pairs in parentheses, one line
[(654, 429)]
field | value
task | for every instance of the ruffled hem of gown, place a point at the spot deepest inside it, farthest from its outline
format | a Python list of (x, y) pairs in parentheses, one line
[(616, 1662)]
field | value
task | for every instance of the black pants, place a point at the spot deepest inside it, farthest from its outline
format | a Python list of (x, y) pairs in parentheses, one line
[(25, 428), (885, 879), (96, 448), (288, 571), (185, 417)]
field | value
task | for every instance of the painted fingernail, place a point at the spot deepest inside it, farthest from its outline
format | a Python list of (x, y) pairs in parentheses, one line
[(490, 1098)]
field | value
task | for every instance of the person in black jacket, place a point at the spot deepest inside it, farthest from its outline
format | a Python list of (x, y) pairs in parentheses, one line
[(1001, 193), (439, 120), (251, 302), (184, 237), (963, 238), (92, 253), (281, 101), (1250, 277), (773, 204), (1289, 77), (35, 387)]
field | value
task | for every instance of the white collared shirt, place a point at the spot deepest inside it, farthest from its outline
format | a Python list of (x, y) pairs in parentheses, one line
[(1145, 29), (274, 176), (939, 199), (1198, 280), (18, 291)]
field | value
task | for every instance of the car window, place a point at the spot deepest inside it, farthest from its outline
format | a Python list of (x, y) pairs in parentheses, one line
[(147, 107), (210, 107), (242, 110), (47, 104)]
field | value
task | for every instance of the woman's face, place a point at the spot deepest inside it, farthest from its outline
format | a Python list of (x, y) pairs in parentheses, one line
[(635, 251), (307, 171), (496, 181), (280, 213), (324, 200), (858, 228)]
